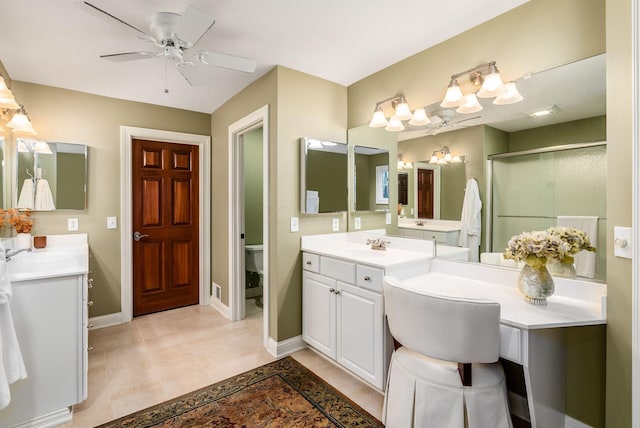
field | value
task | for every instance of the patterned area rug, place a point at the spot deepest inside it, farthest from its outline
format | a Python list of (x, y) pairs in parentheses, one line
[(280, 394)]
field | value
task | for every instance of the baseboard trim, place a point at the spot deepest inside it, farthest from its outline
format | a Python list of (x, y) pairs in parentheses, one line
[(569, 422), (49, 420), (286, 347), (103, 321), (220, 307)]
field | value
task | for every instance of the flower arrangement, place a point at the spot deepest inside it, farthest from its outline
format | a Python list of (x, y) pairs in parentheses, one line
[(576, 238), (20, 221), (536, 248)]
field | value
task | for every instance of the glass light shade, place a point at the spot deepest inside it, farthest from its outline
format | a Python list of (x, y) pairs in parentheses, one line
[(42, 147), (20, 123), (434, 159), (3, 84), (7, 101), (456, 159), (471, 105), (22, 146), (492, 86), (408, 165), (453, 97), (402, 111), (509, 96), (378, 120), (448, 157), (394, 125), (419, 118)]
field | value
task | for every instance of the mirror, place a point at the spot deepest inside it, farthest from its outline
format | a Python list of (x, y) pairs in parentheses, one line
[(323, 176), (5, 185), (371, 179), (50, 175)]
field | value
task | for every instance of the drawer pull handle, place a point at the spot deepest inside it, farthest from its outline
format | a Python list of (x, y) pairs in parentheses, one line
[(332, 290), (367, 278), (90, 348), (90, 280), (90, 303), (337, 292), (308, 262), (90, 286)]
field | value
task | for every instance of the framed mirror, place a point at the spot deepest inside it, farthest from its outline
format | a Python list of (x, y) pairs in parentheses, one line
[(50, 175), (323, 176), (371, 179)]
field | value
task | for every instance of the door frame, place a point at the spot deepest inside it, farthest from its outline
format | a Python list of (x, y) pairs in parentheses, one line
[(635, 221), (127, 134), (256, 119)]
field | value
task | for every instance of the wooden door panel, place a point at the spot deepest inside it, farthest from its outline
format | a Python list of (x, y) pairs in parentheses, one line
[(165, 210), (425, 193), (181, 201), (151, 202)]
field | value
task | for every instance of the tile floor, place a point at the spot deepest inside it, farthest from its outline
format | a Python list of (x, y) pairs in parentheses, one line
[(160, 356)]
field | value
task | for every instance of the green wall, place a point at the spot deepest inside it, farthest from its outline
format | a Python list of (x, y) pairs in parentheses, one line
[(70, 177), (577, 131), (326, 173), (252, 141)]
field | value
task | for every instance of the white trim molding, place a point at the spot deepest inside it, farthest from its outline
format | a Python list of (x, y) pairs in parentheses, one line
[(259, 118), (286, 347), (127, 134), (103, 321), (635, 221)]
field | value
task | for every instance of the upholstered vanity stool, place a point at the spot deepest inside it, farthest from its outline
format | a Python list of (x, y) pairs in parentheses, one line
[(443, 341)]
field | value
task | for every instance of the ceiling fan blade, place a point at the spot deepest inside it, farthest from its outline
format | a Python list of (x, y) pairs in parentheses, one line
[(469, 118), (191, 74), (130, 56), (102, 14), (192, 25), (231, 62)]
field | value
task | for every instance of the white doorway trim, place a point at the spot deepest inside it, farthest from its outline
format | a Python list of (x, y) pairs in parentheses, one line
[(635, 220), (127, 134), (259, 118)]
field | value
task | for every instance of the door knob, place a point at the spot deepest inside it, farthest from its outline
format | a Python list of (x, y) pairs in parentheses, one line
[(138, 236)]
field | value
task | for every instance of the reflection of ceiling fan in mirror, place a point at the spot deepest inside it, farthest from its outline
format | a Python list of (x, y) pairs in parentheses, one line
[(175, 35)]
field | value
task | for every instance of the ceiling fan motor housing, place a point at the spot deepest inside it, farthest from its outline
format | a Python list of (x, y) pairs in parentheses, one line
[(162, 27)]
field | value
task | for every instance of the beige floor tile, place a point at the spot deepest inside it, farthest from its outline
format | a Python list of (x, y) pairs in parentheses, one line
[(164, 355)]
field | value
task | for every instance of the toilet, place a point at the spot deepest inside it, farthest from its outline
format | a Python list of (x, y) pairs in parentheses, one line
[(253, 268)]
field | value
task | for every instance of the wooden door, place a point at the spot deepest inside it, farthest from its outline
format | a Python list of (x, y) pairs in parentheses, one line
[(403, 188), (425, 193), (165, 215)]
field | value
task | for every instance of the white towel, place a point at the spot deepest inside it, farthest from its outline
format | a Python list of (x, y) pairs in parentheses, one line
[(12, 366), (44, 198), (471, 221), (585, 261), (26, 194)]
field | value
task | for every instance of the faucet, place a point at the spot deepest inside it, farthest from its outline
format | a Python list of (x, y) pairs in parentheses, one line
[(377, 244), (8, 253)]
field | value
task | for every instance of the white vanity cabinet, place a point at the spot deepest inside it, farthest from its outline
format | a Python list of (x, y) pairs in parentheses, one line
[(449, 237), (343, 314)]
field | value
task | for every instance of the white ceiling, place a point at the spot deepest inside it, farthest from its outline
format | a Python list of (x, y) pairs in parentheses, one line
[(51, 42)]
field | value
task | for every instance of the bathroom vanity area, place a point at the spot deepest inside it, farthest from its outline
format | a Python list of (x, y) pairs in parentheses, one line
[(50, 313), (445, 232)]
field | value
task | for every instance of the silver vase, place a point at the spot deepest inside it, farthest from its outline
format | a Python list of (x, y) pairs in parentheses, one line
[(566, 270), (535, 284)]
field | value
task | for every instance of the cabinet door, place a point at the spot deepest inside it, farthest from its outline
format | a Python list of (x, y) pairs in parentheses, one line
[(319, 312), (360, 333)]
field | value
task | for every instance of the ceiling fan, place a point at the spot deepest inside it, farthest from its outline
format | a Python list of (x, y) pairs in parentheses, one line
[(442, 121), (175, 35)]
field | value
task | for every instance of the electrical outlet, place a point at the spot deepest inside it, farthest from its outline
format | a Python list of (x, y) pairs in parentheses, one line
[(112, 223), (72, 224), (295, 224), (358, 223), (388, 218), (335, 226)]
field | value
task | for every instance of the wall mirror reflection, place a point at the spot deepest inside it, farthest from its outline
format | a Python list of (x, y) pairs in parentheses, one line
[(371, 179), (50, 175), (576, 117), (5, 185), (323, 176)]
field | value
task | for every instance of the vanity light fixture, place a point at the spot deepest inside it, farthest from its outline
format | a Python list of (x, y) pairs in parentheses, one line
[(402, 164), (7, 101), (401, 113), (20, 122), (444, 156), (488, 78)]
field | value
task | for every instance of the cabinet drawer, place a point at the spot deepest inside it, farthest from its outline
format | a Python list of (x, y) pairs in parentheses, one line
[(370, 278), (338, 269), (311, 262), (511, 343)]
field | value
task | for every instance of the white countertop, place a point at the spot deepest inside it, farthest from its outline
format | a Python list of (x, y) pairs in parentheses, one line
[(64, 255), (575, 303), (432, 225)]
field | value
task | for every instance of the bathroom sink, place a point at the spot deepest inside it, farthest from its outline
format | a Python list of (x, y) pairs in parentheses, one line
[(362, 252), (42, 263)]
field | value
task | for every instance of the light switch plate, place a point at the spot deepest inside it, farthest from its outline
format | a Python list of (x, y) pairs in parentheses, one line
[(72, 224), (335, 225), (388, 218), (295, 224), (358, 223), (622, 242), (112, 223)]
